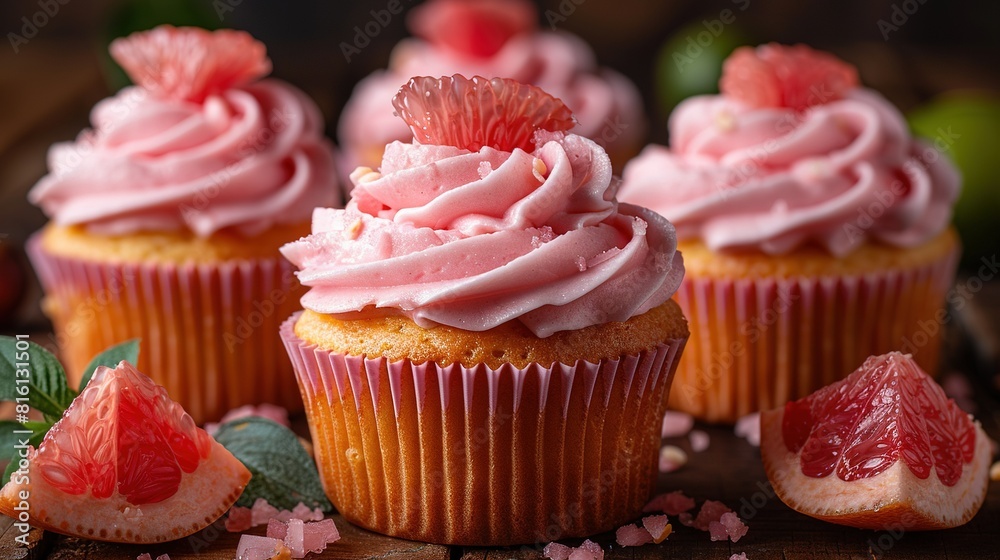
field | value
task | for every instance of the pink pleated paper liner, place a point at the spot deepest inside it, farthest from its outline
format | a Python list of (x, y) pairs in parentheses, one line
[(756, 344), (209, 331), (472, 455)]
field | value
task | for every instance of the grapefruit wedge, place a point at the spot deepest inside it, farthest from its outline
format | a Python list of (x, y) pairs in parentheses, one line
[(882, 449), (126, 464)]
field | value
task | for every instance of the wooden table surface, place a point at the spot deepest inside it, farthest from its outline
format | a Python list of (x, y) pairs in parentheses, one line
[(730, 471)]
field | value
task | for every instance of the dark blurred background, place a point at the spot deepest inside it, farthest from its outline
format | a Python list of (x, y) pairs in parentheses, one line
[(936, 59)]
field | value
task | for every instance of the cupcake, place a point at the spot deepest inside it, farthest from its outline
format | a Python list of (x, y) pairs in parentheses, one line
[(815, 230), (488, 338), (166, 219), (492, 38)]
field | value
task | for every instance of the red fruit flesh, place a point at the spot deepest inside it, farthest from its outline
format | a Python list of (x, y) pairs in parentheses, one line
[(478, 29), (796, 77), (472, 113), (886, 411), (126, 464), (152, 450)]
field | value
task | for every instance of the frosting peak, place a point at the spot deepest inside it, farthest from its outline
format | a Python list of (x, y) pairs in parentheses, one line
[(473, 239), (744, 173), (197, 144)]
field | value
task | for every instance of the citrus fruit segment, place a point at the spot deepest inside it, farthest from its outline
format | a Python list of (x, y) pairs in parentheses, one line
[(796, 77), (472, 113), (125, 464), (882, 449)]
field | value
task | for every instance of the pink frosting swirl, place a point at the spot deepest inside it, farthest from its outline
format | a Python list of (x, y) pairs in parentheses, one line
[(835, 174), (476, 239), (235, 155), (607, 105)]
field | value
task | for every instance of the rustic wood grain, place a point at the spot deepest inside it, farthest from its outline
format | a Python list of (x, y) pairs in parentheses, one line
[(11, 549), (215, 543)]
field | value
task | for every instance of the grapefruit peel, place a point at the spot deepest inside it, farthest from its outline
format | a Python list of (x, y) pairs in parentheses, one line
[(895, 497), (125, 463)]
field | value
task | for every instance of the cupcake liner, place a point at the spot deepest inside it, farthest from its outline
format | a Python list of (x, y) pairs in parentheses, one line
[(477, 456), (758, 343), (209, 331)]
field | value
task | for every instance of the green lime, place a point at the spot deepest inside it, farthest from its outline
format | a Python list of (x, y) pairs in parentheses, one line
[(965, 126)]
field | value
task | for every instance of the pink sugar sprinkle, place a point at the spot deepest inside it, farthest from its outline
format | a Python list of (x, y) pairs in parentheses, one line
[(556, 551), (580, 554), (740, 556), (253, 547), (672, 458), (656, 525), (276, 529), (318, 534), (269, 411), (671, 503), (302, 511), (239, 519), (734, 526), (593, 548), (717, 531), (710, 511), (262, 512), (632, 535), (676, 424), (588, 550), (163, 557), (699, 440), (295, 538), (748, 428), (144, 556), (686, 519)]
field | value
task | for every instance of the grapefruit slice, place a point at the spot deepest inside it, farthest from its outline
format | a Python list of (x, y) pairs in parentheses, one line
[(882, 449), (471, 113), (125, 463)]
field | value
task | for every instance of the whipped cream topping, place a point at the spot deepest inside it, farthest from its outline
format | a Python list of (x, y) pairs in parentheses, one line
[(836, 174), (475, 239)]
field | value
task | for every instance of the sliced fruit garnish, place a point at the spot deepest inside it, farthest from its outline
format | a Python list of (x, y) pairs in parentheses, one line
[(883, 448), (125, 464), (774, 75), (479, 28), (472, 113), (189, 63)]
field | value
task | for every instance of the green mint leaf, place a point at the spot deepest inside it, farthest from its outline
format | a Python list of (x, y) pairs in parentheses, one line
[(283, 472), (126, 351), (11, 467), (9, 441), (45, 385)]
